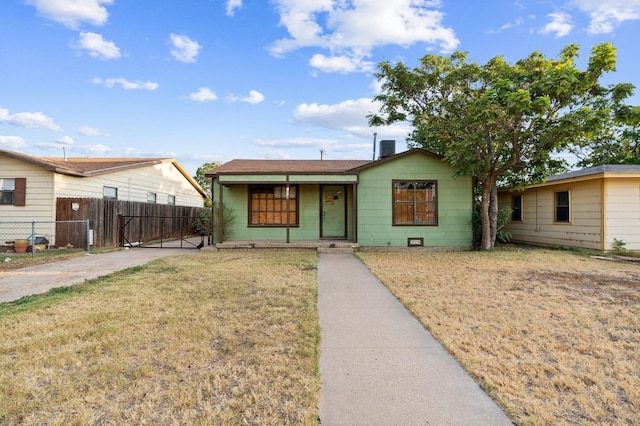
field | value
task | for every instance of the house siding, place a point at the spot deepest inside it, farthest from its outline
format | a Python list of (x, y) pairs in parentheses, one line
[(622, 216), (375, 211), (538, 227), (133, 185), (39, 201)]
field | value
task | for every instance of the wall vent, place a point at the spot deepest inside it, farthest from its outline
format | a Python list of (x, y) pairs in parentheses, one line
[(415, 242), (387, 148)]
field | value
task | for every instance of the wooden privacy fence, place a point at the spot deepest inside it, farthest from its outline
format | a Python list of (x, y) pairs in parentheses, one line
[(105, 217)]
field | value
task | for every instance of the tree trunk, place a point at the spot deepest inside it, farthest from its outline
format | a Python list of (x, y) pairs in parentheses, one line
[(493, 213), (489, 213)]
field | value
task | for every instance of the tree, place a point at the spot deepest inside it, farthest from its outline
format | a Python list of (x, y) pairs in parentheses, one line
[(496, 122), (204, 181), (618, 141)]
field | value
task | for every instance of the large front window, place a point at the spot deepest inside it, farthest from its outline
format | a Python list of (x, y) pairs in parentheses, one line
[(415, 203), (269, 205)]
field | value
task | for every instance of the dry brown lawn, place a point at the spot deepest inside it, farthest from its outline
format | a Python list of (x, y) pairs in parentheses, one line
[(214, 338), (552, 336)]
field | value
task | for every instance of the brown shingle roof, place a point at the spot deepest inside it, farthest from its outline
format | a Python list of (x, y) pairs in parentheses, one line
[(286, 166)]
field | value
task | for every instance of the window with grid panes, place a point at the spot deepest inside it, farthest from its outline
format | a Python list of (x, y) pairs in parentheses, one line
[(268, 205), (415, 203)]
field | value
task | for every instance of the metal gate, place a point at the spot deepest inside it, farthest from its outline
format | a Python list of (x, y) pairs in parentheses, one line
[(158, 232)]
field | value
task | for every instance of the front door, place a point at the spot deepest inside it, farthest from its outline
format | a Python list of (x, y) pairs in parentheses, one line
[(333, 213)]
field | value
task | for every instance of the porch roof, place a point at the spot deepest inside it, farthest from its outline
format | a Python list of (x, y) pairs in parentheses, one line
[(287, 167)]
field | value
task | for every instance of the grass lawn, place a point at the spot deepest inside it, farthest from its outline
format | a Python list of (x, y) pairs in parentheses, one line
[(232, 338), (217, 338), (552, 336)]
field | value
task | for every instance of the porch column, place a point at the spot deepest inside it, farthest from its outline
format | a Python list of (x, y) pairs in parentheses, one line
[(354, 219), (287, 201), (220, 209)]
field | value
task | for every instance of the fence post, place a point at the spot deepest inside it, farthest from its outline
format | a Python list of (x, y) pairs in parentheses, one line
[(33, 239), (88, 242)]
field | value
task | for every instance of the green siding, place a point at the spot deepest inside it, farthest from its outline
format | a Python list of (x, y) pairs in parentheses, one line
[(375, 216), (236, 198)]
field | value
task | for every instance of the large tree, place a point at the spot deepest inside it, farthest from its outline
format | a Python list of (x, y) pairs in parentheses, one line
[(204, 181), (496, 122)]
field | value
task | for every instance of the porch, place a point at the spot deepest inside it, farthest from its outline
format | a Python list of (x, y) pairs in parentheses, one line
[(335, 246)]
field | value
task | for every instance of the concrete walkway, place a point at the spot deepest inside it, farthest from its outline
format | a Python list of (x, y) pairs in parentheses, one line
[(379, 366)]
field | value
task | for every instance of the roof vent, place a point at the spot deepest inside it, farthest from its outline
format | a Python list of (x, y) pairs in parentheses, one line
[(387, 148)]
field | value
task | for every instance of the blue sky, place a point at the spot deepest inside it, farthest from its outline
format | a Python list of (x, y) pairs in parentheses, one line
[(207, 80)]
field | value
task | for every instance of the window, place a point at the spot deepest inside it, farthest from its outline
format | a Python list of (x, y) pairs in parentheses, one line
[(171, 200), (13, 191), (516, 208), (109, 193), (268, 205), (415, 203), (562, 207), (151, 197), (7, 189)]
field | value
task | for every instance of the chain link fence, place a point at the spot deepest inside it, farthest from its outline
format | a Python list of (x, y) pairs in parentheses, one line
[(37, 236)]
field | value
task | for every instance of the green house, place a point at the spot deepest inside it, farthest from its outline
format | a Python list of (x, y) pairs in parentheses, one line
[(407, 199)]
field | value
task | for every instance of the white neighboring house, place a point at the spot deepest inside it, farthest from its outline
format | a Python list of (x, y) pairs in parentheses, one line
[(30, 186), (590, 208)]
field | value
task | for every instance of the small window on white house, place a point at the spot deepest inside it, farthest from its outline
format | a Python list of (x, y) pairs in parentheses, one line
[(151, 197), (7, 189), (171, 200), (109, 193), (13, 191)]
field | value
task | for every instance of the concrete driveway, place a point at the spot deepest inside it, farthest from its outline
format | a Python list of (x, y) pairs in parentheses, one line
[(18, 283)]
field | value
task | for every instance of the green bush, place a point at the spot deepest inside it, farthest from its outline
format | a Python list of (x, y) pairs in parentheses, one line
[(208, 223), (503, 237)]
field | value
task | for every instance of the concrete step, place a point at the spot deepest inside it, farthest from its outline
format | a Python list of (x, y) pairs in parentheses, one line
[(335, 250)]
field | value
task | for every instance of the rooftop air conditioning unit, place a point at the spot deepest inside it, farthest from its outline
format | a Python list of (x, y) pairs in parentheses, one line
[(387, 148)]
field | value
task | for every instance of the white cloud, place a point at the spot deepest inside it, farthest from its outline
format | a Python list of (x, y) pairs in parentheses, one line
[(72, 13), (28, 119), (560, 24), (126, 84), (353, 29), (232, 5), (183, 48), (91, 131), (348, 116), (13, 142), (606, 15), (65, 140), (509, 25), (254, 97), (342, 63), (204, 94), (97, 46)]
